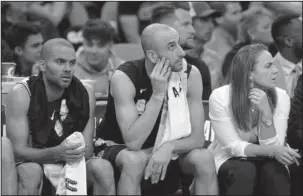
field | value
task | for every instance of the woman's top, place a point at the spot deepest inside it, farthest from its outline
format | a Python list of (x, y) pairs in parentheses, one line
[(229, 140)]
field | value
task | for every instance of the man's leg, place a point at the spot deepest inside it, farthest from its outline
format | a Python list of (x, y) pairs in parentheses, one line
[(275, 178), (30, 178), (100, 175), (9, 182), (200, 164), (132, 166)]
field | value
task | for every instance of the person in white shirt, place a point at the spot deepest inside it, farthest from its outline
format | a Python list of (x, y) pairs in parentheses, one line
[(287, 33), (249, 118)]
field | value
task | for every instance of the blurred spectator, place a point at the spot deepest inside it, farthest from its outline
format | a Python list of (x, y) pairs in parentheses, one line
[(109, 13), (25, 39), (95, 61), (177, 16), (93, 8), (295, 138), (133, 17), (223, 38), (287, 33), (279, 7), (255, 27), (62, 14), (13, 12), (203, 23)]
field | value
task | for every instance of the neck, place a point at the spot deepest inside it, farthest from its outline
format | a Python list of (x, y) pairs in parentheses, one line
[(290, 55), (25, 67), (53, 92), (197, 50), (260, 87)]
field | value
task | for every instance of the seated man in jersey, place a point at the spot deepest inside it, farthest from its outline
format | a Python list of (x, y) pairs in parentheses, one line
[(137, 142), (43, 110)]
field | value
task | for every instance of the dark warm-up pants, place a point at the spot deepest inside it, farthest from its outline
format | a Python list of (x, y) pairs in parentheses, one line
[(253, 177), (296, 173)]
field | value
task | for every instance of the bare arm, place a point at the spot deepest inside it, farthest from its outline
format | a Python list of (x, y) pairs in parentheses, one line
[(18, 129), (135, 129), (54, 12), (88, 132), (196, 111)]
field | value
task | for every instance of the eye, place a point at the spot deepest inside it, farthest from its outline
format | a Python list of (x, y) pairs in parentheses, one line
[(269, 65), (171, 46), (72, 63), (60, 61)]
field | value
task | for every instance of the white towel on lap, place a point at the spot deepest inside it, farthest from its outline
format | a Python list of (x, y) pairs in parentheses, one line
[(175, 119), (70, 179)]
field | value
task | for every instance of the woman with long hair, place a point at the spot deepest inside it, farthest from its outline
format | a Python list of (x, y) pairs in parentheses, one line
[(249, 118)]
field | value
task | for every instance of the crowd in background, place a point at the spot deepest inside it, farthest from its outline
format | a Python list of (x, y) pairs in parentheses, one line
[(218, 30), (217, 36)]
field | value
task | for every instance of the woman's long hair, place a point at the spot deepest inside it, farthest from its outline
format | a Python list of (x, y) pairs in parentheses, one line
[(241, 67)]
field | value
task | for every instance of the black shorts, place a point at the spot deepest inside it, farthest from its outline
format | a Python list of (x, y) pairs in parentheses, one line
[(170, 184)]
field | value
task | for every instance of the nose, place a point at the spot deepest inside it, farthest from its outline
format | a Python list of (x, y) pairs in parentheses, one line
[(191, 29), (67, 67), (93, 49), (181, 52), (275, 69)]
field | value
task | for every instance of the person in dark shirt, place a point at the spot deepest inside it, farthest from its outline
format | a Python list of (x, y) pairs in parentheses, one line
[(137, 92), (43, 110), (295, 138), (133, 17), (25, 39), (176, 15)]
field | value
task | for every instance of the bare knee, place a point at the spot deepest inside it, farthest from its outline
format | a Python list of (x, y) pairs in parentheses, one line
[(30, 175), (202, 161), (101, 170), (133, 162)]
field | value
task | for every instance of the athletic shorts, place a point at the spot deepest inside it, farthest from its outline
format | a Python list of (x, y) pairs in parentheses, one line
[(170, 184)]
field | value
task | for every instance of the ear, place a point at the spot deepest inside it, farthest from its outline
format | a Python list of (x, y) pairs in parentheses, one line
[(219, 20), (18, 50), (251, 34), (152, 56), (42, 65), (288, 42)]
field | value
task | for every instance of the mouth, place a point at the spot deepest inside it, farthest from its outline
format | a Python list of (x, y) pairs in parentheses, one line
[(179, 61), (66, 78)]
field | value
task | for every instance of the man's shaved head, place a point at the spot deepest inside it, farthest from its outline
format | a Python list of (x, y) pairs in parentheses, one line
[(50, 45), (160, 40), (151, 33)]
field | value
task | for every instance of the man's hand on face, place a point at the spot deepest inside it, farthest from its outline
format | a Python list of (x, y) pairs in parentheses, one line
[(158, 162)]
